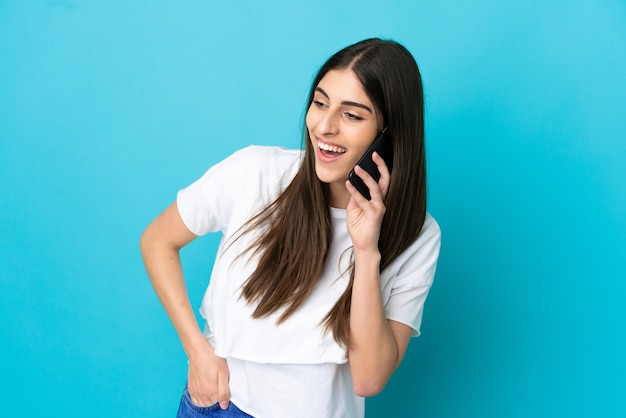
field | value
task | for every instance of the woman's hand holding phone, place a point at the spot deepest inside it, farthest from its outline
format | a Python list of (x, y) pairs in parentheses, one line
[(384, 148), (364, 217)]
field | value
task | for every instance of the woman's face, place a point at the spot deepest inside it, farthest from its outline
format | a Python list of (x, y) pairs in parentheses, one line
[(342, 123)]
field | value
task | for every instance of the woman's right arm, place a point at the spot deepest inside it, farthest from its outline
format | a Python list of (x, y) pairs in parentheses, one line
[(160, 246)]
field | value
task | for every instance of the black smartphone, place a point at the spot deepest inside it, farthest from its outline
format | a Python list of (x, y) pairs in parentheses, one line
[(383, 146)]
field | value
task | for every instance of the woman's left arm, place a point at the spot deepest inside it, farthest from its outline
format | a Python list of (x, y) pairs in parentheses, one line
[(377, 344)]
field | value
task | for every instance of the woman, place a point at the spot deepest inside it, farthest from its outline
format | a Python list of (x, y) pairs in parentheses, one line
[(316, 290)]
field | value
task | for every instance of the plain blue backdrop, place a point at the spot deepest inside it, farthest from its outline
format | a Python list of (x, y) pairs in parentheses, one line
[(107, 108)]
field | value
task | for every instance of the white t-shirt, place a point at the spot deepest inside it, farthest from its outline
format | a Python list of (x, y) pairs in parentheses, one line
[(293, 369)]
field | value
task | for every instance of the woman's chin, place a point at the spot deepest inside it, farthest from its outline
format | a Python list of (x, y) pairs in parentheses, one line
[(329, 177)]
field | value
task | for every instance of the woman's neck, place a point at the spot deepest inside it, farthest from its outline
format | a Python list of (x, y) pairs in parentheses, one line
[(339, 195)]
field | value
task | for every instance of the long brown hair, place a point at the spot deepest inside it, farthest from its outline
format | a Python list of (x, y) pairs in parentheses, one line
[(298, 221)]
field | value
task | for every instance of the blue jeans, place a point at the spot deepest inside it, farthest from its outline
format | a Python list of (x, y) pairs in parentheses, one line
[(188, 410)]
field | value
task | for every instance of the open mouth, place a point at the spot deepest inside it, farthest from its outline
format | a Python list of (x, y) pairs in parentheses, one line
[(330, 150)]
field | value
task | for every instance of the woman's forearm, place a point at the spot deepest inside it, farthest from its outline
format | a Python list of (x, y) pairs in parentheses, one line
[(207, 375), (373, 353), (165, 272), (160, 245)]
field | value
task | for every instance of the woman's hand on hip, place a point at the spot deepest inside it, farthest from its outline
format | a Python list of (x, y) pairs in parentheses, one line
[(207, 378)]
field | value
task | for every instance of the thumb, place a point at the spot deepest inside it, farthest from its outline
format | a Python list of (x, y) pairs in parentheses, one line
[(223, 389)]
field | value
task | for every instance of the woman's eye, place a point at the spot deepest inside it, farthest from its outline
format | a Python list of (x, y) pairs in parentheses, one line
[(352, 116), (318, 103)]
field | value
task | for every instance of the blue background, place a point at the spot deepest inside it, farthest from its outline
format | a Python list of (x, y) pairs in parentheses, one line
[(107, 108)]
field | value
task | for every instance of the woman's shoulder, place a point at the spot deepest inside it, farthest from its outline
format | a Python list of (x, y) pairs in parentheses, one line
[(426, 246), (430, 228), (415, 266), (264, 154), (267, 163), (429, 238)]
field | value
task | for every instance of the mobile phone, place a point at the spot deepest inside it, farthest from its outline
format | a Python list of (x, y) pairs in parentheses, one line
[(383, 146)]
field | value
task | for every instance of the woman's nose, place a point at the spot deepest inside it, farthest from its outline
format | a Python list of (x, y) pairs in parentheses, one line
[(329, 124)]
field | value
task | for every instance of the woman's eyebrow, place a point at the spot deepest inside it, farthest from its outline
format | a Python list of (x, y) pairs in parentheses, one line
[(345, 102)]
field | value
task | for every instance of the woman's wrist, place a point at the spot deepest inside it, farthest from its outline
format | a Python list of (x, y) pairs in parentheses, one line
[(196, 344), (369, 257), (367, 267)]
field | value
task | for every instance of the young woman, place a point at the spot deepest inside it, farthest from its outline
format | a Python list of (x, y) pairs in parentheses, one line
[(316, 290)]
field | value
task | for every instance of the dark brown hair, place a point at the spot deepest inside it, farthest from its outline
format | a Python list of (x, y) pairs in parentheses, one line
[(298, 221)]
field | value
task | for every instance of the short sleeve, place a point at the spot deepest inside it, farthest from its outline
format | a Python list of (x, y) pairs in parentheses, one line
[(233, 189), (204, 205), (415, 269)]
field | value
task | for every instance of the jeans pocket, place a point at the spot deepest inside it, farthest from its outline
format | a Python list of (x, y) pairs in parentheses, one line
[(188, 409)]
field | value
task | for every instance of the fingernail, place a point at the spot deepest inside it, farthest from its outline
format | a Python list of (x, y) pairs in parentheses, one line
[(224, 404)]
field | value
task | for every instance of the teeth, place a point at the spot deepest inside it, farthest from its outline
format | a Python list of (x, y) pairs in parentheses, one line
[(330, 148)]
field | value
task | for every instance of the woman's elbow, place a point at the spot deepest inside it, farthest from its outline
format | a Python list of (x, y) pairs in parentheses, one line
[(144, 241), (366, 388), (150, 242)]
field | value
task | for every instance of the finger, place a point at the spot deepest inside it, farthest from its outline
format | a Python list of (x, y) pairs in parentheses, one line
[(199, 398), (356, 195), (203, 391), (385, 175), (375, 190)]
